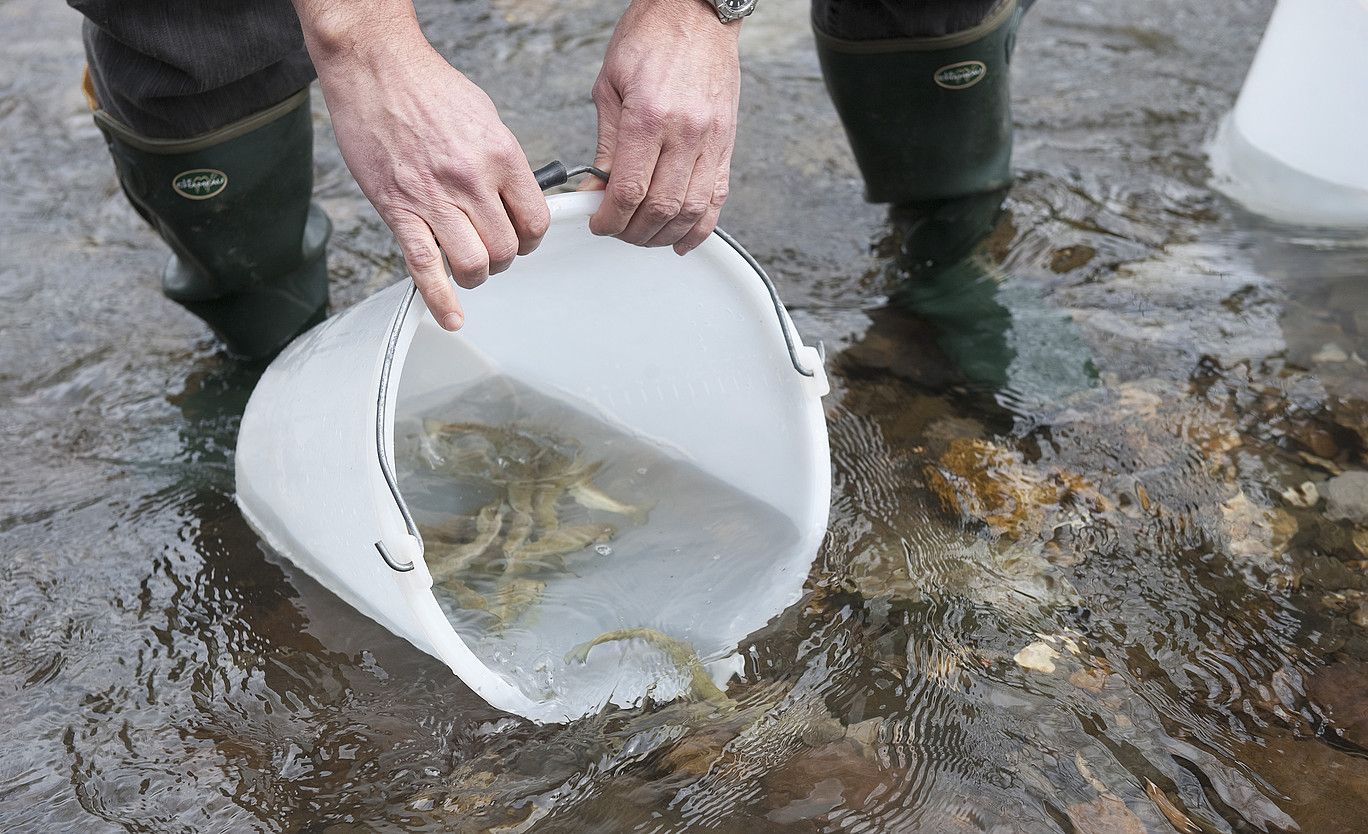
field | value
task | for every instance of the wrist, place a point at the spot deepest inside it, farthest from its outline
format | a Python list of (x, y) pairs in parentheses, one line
[(351, 35), (696, 15)]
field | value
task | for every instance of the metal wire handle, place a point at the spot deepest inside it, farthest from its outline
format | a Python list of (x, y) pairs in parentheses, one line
[(548, 176), (555, 173)]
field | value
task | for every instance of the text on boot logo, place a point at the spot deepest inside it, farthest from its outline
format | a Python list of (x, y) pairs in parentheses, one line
[(199, 183), (961, 76)]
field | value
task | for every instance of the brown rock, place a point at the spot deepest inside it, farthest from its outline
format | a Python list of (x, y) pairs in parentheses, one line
[(1090, 679), (1341, 691), (1180, 821), (695, 753), (821, 779), (1352, 414), (1070, 258), (1319, 442), (1105, 815), (1330, 573), (980, 480), (1314, 786)]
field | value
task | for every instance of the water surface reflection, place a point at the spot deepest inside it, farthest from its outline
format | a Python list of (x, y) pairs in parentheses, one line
[(1075, 580)]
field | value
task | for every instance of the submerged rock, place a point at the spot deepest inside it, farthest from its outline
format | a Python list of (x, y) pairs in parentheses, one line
[(1341, 691), (1180, 821), (1346, 497), (1105, 815), (1037, 657), (994, 485), (1305, 495), (1256, 532), (1318, 787)]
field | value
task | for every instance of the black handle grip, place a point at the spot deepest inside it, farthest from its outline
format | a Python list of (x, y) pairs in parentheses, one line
[(554, 173), (551, 175)]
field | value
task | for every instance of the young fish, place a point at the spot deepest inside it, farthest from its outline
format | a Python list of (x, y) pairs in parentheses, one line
[(544, 500), (591, 497), (514, 596), (681, 654), (487, 526), (565, 541), (519, 531), (520, 498), (465, 596)]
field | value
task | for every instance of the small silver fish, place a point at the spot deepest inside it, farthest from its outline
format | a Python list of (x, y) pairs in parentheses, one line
[(591, 497), (681, 654), (487, 526), (565, 541)]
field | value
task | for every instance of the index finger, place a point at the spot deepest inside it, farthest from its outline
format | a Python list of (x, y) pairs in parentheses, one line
[(424, 260)]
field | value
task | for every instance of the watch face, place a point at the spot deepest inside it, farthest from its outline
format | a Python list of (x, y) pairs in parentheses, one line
[(736, 8)]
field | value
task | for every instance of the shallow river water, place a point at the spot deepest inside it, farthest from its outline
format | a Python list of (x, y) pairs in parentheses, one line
[(1073, 582)]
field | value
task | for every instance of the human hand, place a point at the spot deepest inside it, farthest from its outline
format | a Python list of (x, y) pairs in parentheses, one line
[(430, 152), (667, 99)]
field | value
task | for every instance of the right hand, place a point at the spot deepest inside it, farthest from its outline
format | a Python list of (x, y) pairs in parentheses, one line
[(430, 152)]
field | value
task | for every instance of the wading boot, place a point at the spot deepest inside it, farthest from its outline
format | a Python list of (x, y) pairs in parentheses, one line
[(248, 245), (928, 118)]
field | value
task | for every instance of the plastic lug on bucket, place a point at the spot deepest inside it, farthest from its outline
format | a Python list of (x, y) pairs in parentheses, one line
[(1293, 147), (693, 354)]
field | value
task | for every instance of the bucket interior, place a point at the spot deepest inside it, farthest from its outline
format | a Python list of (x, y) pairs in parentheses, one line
[(645, 416)]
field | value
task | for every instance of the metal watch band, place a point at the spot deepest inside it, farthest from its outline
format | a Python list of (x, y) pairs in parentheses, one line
[(729, 10)]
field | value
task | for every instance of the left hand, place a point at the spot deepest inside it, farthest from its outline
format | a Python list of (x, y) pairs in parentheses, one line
[(667, 99)]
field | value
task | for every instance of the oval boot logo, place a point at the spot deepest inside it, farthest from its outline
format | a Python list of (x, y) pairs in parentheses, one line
[(199, 183), (961, 76)]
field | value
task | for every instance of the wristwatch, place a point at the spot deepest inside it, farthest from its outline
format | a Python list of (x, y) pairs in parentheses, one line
[(729, 10)]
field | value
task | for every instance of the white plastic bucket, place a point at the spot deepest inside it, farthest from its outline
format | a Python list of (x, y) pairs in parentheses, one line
[(1293, 147), (693, 354)]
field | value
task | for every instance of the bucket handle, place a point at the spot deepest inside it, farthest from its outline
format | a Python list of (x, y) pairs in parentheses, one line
[(381, 406), (548, 176)]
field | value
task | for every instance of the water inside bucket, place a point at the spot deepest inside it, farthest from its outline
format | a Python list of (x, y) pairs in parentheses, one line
[(546, 527)]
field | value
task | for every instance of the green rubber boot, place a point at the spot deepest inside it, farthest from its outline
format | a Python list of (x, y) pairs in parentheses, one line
[(249, 248), (928, 118)]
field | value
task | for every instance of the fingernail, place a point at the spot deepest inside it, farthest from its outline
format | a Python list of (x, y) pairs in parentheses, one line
[(453, 321)]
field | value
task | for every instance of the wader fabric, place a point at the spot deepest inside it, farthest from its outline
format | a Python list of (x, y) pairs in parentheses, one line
[(173, 69), (861, 20)]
